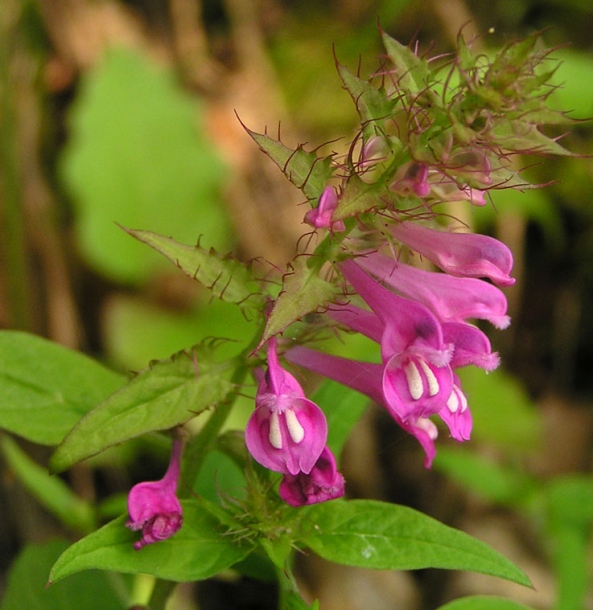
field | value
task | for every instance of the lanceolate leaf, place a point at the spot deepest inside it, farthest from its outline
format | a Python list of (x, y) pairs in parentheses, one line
[(197, 551), (168, 393), (411, 71), (371, 534), (227, 278), (305, 170), (372, 104), (303, 292), (46, 388)]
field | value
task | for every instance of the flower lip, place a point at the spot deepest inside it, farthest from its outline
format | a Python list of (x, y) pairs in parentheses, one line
[(287, 431)]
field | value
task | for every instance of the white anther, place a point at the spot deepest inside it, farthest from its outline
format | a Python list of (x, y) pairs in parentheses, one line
[(463, 400), (425, 424), (414, 380), (453, 402), (275, 436), (433, 383), (296, 431)]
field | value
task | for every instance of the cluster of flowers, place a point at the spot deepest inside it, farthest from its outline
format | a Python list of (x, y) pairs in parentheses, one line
[(420, 320), (426, 140)]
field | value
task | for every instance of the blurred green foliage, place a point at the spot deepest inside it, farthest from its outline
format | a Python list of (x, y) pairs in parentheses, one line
[(138, 156)]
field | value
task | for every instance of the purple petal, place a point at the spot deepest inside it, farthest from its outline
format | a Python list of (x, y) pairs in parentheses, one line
[(288, 441), (321, 216), (453, 299), (471, 346), (364, 377), (153, 506), (323, 483), (360, 320), (409, 321), (460, 254), (457, 415), (414, 388)]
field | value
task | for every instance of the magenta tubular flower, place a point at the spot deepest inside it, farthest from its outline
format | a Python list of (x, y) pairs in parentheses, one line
[(417, 378), (459, 254), (321, 216), (452, 299), (323, 483), (153, 506), (366, 378), (287, 432)]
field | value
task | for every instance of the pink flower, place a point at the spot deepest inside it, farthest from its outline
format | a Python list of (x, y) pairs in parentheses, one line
[(452, 299), (287, 432), (414, 179), (321, 216), (366, 378), (460, 254), (154, 507), (417, 378), (323, 483)]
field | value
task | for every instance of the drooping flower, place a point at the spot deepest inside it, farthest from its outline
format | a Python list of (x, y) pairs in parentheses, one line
[(153, 506), (323, 483), (452, 299), (321, 216), (287, 432), (459, 254)]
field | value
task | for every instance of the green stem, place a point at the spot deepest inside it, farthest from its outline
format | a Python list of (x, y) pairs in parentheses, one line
[(287, 587)]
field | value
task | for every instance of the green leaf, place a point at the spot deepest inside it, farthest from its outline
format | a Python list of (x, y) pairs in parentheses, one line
[(138, 155), (46, 388), (483, 602), (524, 137), (492, 481), (197, 551), (303, 292), (411, 71), (26, 587), (371, 534), (227, 278), (167, 394), (372, 104), (50, 491), (305, 170)]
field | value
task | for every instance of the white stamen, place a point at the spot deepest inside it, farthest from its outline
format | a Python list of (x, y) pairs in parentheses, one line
[(296, 431), (425, 424), (463, 400), (433, 383), (275, 436), (453, 402), (414, 380)]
